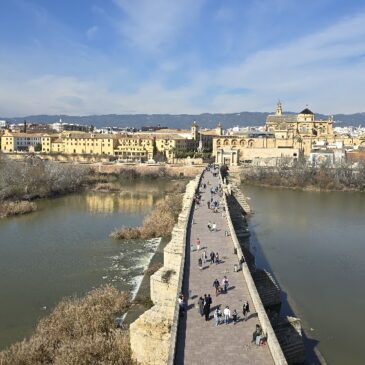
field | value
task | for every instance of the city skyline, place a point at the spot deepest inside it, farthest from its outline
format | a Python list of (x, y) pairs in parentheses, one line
[(125, 57)]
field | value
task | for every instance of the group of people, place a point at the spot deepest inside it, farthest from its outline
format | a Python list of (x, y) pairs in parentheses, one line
[(225, 317), (212, 226), (204, 304), (221, 287), (214, 258), (220, 316)]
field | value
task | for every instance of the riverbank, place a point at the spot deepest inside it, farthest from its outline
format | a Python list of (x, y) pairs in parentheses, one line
[(26, 181), (11, 208), (77, 331), (304, 177)]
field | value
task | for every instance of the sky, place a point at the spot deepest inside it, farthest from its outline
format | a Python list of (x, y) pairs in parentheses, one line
[(85, 57)]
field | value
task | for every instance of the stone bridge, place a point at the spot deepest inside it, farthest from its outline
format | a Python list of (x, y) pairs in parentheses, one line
[(162, 335)]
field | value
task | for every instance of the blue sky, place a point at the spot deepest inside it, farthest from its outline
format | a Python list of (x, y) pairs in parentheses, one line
[(180, 56)]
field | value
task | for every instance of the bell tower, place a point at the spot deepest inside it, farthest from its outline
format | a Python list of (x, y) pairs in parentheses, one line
[(194, 131), (279, 110)]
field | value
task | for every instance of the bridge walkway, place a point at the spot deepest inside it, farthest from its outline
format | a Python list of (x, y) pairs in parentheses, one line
[(199, 341)]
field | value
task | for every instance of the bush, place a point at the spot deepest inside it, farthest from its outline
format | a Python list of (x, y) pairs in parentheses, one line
[(8, 209), (37, 178), (159, 223), (300, 175), (78, 331)]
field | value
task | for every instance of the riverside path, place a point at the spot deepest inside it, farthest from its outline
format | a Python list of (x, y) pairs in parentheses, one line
[(199, 341)]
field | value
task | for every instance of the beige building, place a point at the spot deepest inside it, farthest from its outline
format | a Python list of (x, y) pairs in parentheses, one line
[(303, 124), (141, 148), (17, 142)]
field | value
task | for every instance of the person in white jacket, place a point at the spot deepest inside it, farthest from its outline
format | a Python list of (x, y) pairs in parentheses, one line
[(227, 314)]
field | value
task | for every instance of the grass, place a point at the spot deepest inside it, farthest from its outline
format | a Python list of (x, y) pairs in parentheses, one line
[(78, 331)]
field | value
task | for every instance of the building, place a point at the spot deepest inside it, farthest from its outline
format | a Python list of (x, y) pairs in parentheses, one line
[(135, 148), (233, 150), (18, 141), (89, 143), (303, 124)]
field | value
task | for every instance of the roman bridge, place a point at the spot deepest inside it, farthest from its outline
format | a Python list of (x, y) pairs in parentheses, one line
[(162, 335)]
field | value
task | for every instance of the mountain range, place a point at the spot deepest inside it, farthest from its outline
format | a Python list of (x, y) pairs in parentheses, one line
[(206, 120)]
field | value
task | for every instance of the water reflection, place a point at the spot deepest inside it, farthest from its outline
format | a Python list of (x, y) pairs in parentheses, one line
[(64, 249), (127, 202)]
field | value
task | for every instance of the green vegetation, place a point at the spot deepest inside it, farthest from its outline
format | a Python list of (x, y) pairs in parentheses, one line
[(78, 331)]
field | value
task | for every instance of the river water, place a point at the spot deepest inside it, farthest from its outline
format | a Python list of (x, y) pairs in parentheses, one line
[(314, 244), (63, 249)]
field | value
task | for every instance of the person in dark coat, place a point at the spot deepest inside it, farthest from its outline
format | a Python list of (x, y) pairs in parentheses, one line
[(245, 310), (206, 310)]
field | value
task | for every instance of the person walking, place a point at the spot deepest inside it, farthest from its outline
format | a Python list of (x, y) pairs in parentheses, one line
[(217, 316), (198, 244), (212, 257), (245, 310), (209, 300), (216, 286), (227, 314), (200, 263), (206, 311), (225, 284), (214, 227), (217, 258), (201, 305), (234, 316)]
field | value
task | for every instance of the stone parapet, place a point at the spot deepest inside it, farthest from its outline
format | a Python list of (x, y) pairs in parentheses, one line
[(153, 334)]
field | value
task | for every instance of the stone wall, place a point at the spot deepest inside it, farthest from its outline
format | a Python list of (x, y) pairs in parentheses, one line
[(153, 334), (272, 341)]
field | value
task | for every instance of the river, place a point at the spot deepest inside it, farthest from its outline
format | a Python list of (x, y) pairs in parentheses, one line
[(63, 249), (314, 244)]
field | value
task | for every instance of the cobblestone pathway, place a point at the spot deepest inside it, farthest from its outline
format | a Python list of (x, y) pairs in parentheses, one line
[(201, 342)]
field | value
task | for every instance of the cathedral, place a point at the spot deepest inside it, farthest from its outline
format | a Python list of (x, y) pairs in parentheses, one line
[(297, 125)]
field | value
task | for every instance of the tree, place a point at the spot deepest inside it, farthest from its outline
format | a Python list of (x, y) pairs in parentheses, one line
[(38, 147)]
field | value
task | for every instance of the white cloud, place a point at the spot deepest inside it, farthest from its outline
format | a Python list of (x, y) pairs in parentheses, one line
[(92, 32), (325, 70), (151, 25)]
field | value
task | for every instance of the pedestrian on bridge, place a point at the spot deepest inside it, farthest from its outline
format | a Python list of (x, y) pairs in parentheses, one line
[(217, 316), (198, 244), (212, 257), (245, 310), (227, 314), (200, 263), (216, 286), (217, 258), (225, 284)]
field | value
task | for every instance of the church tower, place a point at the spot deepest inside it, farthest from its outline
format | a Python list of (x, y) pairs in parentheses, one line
[(279, 110), (218, 129), (194, 131)]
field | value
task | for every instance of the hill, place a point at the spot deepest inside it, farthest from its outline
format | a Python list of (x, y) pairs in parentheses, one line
[(177, 121)]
